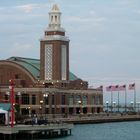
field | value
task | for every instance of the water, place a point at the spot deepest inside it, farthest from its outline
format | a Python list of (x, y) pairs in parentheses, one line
[(106, 131)]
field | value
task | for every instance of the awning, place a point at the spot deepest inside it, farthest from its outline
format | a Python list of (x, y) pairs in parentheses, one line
[(3, 111)]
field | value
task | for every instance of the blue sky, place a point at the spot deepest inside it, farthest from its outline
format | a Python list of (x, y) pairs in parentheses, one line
[(104, 36)]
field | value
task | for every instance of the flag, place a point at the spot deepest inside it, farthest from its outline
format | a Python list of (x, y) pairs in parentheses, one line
[(131, 86), (100, 88), (108, 88), (112, 88), (115, 88), (123, 87)]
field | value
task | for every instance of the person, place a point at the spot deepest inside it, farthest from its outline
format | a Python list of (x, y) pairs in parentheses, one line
[(33, 120), (36, 121)]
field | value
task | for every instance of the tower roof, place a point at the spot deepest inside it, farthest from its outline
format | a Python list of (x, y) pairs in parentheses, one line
[(55, 8)]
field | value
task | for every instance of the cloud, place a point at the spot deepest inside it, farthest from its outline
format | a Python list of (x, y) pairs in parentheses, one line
[(81, 19), (28, 8), (20, 49), (126, 2), (92, 13), (137, 11)]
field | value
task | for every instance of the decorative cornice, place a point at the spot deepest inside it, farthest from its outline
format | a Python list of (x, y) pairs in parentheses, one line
[(54, 37), (55, 29)]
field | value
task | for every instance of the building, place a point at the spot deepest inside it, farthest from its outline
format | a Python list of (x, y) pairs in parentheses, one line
[(46, 86)]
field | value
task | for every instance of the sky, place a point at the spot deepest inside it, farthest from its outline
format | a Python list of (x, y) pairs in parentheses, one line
[(104, 37)]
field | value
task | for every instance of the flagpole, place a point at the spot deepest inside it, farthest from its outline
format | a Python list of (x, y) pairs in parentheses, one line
[(111, 100), (135, 97), (125, 100), (118, 100)]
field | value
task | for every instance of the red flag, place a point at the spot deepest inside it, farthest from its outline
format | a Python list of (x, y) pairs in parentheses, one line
[(100, 88), (123, 87), (108, 88), (112, 88), (131, 86), (115, 88)]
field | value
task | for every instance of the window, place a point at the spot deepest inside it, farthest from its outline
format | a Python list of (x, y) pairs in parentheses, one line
[(17, 99), (63, 110), (52, 99), (25, 99), (46, 99), (55, 19), (71, 100), (48, 61), (63, 62), (63, 84), (16, 76), (6, 97), (63, 99), (93, 100), (53, 111), (78, 99), (46, 110), (51, 18), (33, 99), (84, 100), (98, 100)]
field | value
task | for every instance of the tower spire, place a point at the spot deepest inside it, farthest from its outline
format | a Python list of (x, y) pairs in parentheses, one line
[(55, 17)]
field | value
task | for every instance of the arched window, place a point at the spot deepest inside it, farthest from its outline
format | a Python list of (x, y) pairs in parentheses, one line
[(55, 18), (51, 18)]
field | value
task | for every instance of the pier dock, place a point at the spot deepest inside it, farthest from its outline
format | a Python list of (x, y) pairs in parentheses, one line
[(35, 131), (101, 119)]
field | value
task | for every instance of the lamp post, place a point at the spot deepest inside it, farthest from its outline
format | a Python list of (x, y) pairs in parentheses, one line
[(132, 103), (114, 106), (107, 105), (79, 102), (45, 95), (41, 103), (138, 103), (19, 94), (29, 109), (12, 102)]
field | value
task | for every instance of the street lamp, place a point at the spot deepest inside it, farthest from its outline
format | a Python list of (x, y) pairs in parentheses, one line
[(79, 102), (132, 104), (138, 103), (18, 95), (107, 103), (114, 105), (41, 103), (29, 111), (12, 102), (45, 95)]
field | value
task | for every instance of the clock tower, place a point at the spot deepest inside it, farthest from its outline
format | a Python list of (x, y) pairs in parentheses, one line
[(54, 50)]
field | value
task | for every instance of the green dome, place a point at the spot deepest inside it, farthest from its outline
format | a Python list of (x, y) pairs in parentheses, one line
[(33, 65)]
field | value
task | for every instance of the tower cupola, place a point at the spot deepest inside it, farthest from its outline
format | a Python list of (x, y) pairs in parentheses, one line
[(55, 17)]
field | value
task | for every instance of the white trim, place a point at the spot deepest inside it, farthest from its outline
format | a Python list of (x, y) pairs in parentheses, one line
[(55, 37), (63, 62), (55, 29)]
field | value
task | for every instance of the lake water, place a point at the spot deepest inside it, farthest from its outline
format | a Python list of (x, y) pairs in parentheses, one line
[(106, 131)]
